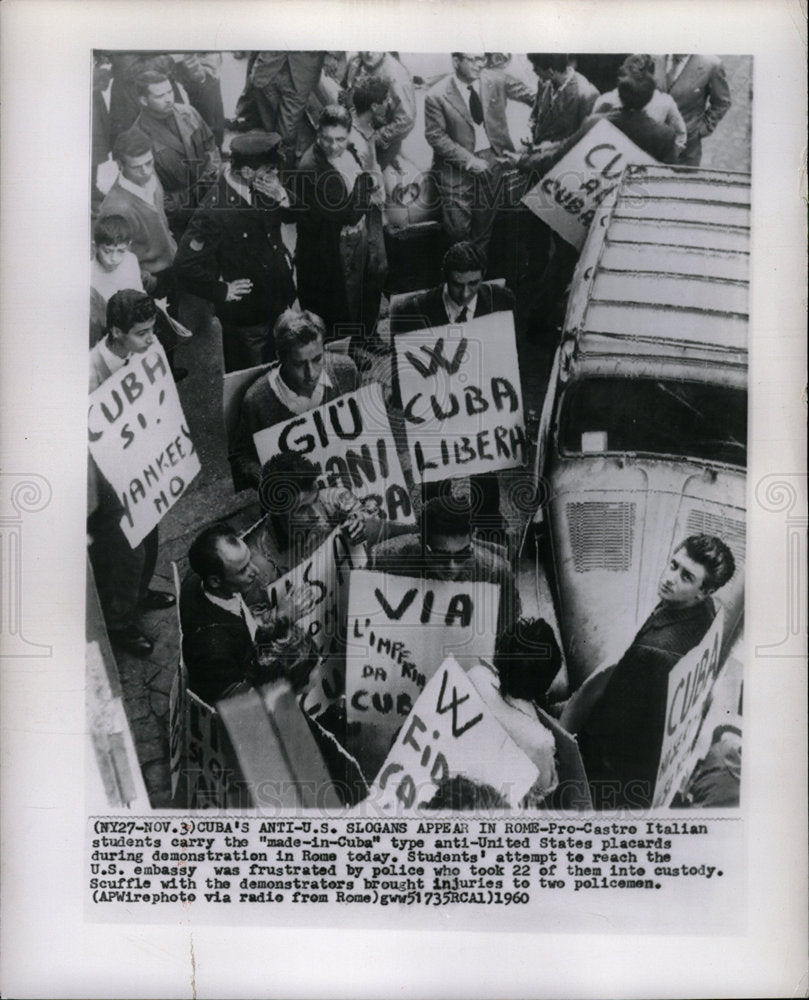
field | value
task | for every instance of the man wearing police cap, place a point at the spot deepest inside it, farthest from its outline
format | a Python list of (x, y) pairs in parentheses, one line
[(232, 253)]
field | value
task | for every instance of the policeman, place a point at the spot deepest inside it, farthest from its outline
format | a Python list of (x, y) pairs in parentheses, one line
[(232, 253)]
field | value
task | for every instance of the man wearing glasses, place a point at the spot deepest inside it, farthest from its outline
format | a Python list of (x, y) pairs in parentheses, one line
[(465, 123)]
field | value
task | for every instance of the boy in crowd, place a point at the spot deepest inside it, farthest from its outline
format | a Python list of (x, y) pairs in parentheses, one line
[(113, 268)]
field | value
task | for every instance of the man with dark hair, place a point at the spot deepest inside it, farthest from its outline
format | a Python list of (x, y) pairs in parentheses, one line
[(399, 117), (465, 123), (463, 296), (302, 379), (621, 739), (185, 154), (122, 573), (563, 100), (232, 253), (137, 195)]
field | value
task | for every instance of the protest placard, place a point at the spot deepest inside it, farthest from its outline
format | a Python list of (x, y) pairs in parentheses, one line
[(350, 441), (568, 195), (326, 573), (461, 398), (450, 732), (399, 630), (690, 684), (139, 440)]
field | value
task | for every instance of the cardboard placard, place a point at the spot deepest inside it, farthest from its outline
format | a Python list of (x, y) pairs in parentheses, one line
[(690, 683), (140, 441), (450, 732), (568, 195), (399, 630), (351, 442), (326, 571), (461, 398)]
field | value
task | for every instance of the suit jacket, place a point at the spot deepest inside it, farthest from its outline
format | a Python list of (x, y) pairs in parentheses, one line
[(262, 408), (227, 239), (448, 125), (217, 646), (555, 118), (701, 92), (186, 165), (621, 740), (424, 309)]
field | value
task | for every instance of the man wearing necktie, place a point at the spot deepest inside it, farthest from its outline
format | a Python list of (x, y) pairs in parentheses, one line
[(465, 123), (700, 90)]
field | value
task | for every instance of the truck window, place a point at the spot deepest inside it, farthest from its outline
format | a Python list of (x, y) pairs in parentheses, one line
[(691, 420)]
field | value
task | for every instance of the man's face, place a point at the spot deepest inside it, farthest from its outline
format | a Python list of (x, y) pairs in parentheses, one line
[(469, 65), (303, 517), (682, 580), (138, 169), (159, 99), (463, 286), (449, 555), (379, 113), (371, 59), (110, 255), (138, 339), (239, 570), (302, 367), (333, 140)]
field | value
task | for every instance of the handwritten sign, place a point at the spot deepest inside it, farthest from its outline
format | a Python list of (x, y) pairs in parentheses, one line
[(461, 398), (450, 732), (350, 441), (399, 631), (690, 683), (326, 572), (570, 192), (140, 441)]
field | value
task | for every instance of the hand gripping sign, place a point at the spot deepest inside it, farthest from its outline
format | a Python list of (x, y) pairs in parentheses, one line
[(399, 630), (461, 398), (568, 195), (350, 440), (690, 685), (449, 732), (139, 440)]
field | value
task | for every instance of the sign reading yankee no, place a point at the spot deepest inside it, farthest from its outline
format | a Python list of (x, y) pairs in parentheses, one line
[(461, 398), (140, 441)]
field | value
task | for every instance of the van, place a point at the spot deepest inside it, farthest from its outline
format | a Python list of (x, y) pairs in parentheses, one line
[(642, 439)]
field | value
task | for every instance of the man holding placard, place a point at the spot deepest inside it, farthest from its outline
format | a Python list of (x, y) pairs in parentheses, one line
[(621, 739), (303, 378), (122, 572)]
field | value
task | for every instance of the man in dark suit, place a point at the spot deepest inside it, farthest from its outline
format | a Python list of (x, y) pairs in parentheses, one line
[(700, 89), (622, 738), (463, 296), (465, 123)]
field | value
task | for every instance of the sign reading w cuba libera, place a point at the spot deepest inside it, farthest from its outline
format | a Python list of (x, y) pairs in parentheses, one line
[(461, 398)]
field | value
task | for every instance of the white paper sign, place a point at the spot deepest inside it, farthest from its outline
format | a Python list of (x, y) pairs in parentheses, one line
[(399, 630), (350, 441), (139, 440), (461, 398), (450, 732), (568, 195)]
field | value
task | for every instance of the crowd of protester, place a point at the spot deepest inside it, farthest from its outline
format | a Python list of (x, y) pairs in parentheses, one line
[(278, 244)]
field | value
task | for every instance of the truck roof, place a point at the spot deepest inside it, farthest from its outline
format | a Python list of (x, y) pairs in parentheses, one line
[(665, 269)]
